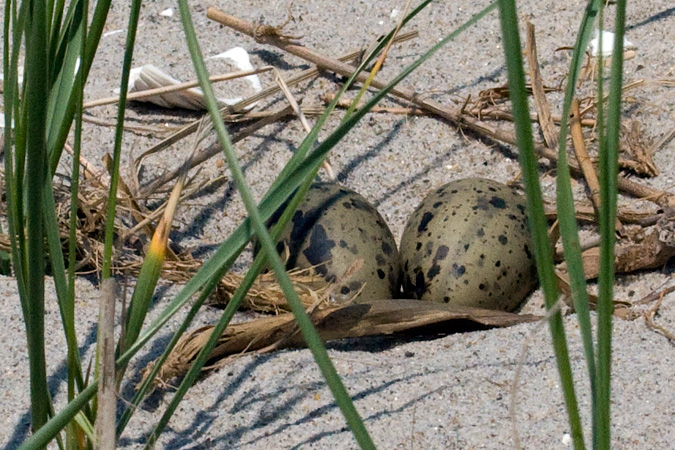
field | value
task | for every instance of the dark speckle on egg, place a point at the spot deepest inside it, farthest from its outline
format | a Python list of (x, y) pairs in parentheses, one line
[(426, 218), (468, 244)]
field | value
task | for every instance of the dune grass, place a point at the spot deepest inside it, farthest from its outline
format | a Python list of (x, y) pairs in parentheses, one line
[(64, 39)]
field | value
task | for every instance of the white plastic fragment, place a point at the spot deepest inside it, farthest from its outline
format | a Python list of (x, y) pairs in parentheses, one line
[(168, 12), (394, 13), (607, 43)]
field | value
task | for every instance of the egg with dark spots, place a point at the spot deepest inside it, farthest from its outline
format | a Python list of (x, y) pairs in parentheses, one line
[(468, 243), (331, 229)]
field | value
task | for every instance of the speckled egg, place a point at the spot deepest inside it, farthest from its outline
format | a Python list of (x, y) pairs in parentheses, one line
[(468, 243), (333, 227)]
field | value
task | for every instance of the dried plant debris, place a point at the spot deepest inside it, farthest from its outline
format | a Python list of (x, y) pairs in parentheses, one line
[(335, 322), (638, 147)]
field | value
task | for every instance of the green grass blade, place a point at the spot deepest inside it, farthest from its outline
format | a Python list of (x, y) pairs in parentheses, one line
[(142, 296), (76, 427), (608, 163), (543, 256), (304, 322), (63, 86), (210, 285), (14, 154), (298, 155), (65, 300), (58, 132), (74, 363), (44, 435), (268, 246), (311, 336), (278, 195), (36, 96), (226, 253), (56, 8), (119, 132), (566, 215), (602, 145)]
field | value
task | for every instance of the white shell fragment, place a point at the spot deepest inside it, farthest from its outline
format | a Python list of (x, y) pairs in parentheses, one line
[(113, 32), (239, 57), (168, 12), (2, 121), (607, 44), (151, 77)]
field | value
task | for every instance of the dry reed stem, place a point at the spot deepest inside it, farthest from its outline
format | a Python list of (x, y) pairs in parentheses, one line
[(301, 116), (583, 158), (107, 392), (112, 123), (649, 317), (544, 110)]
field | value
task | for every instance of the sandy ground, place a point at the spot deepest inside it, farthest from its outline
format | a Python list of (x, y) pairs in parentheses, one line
[(434, 392)]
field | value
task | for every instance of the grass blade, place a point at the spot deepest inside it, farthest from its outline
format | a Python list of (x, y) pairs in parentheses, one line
[(268, 246), (119, 132), (567, 218), (59, 129), (608, 164), (528, 161), (294, 175), (35, 97)]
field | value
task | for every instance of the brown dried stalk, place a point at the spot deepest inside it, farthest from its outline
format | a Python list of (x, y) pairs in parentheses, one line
[(648, 248), (582, 155), (548, 129), (107, 392), (649, 317), (585, 161)]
